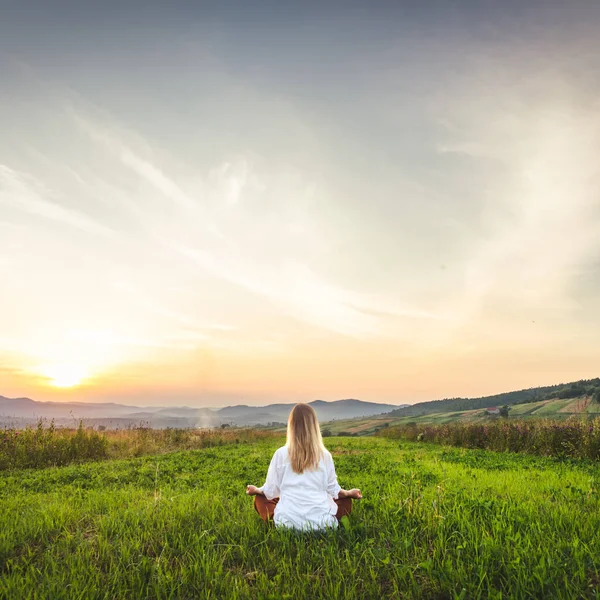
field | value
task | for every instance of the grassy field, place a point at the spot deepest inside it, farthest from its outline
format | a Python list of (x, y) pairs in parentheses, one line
[(435, 523), (550, 409)]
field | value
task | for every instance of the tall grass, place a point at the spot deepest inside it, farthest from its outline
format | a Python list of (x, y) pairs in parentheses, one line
[(44, 446), (436, 523), (570, 439), (47, 445)]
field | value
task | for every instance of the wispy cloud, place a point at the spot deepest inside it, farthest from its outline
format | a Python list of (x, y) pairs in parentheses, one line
[(10, 370), (113, 340), (23, 193), (107, 137), (540, 218), (195, 328), (216, 227)]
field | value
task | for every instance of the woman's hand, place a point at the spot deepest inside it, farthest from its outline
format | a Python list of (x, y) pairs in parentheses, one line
[(252, 490), (353, 493)]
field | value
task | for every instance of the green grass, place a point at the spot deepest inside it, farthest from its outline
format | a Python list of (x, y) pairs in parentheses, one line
[(436, 522)]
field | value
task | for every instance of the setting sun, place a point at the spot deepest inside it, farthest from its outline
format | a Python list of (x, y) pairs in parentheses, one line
[(64, 376)]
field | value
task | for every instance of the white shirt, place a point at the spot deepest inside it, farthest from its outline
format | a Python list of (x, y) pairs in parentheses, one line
[(305, 499)]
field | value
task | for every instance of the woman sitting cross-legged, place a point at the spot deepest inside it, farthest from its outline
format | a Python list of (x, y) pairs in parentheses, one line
[(301, 490)]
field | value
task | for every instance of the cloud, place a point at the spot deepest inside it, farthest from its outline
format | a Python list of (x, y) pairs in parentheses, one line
[(23, 192), (539, 223), (113, 340), (145, 169), (11, 370), (235, 226), (196, 328)]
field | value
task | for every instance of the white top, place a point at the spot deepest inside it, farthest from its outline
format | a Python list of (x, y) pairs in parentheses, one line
[(305, 499)]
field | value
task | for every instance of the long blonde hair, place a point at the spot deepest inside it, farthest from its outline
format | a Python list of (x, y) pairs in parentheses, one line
[(304, 441)]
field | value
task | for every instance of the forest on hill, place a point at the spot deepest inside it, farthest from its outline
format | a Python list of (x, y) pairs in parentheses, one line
[(576, 389)]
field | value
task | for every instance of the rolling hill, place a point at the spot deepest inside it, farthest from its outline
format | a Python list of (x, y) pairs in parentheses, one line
[(561, 391), (583, 407)]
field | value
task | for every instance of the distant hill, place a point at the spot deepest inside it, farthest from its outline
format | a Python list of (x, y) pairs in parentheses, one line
[(561, 391), (20, 411), (326, 411), (26, 407)]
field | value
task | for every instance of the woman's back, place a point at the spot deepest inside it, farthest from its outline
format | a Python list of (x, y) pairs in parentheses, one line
[(306, 499), (301, 490)]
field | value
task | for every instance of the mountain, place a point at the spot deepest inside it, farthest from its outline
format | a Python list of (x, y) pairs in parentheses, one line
[(25, 407), (326, 411), (24, 411), (350, 409), (20, 411)]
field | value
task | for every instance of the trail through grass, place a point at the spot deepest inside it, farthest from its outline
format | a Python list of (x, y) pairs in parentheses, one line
[(436, 522)]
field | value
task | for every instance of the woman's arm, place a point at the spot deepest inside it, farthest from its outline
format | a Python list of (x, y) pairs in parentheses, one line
[(271, 488), (333, 487)]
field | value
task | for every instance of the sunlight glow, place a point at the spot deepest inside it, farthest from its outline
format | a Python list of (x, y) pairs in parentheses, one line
[(64, 376)]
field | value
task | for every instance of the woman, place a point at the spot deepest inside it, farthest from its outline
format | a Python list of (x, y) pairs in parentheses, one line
[(301, 490)]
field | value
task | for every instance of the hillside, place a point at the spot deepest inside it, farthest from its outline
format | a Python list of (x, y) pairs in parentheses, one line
[(561, 391), (553, 408)]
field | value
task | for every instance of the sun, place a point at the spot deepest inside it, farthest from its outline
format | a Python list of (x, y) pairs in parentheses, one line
[(64, 376)]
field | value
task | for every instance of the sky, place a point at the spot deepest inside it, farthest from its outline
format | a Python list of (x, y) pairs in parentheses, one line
[(212, 204)]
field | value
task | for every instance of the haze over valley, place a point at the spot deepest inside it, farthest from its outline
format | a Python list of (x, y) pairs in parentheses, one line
[(24, 411)]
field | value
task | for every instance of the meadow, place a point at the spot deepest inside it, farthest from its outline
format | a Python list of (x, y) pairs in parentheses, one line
[(436, 522)]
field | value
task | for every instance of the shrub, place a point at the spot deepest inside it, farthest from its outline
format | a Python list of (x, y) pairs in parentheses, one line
[(48, 446), (569, 439), (45, 446)]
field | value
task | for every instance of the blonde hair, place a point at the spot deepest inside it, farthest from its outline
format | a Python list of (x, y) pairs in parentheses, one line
[(304, 441)]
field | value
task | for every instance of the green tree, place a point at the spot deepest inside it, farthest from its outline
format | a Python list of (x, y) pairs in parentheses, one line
[(504, 411)]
